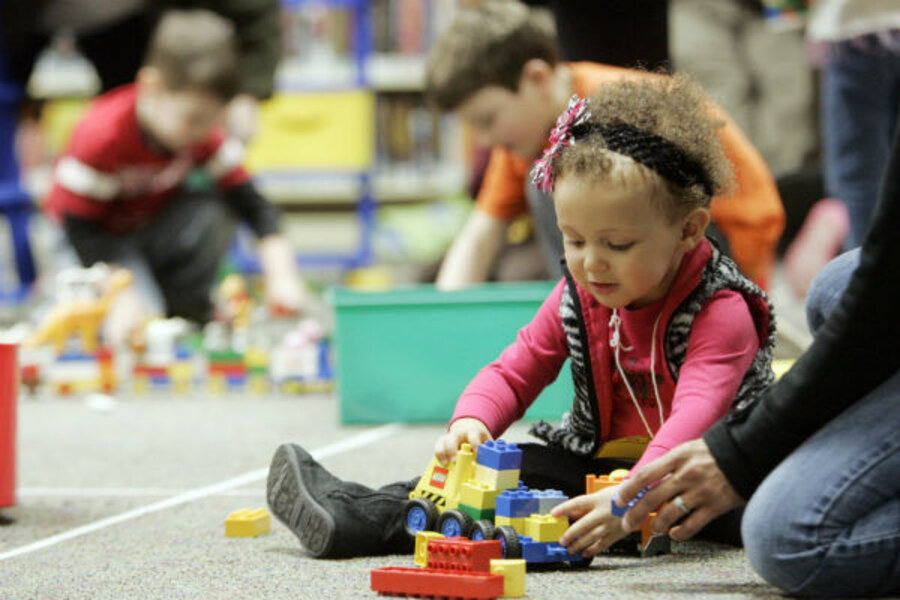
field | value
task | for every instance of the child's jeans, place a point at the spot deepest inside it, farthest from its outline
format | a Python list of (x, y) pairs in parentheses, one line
[(826, 521)]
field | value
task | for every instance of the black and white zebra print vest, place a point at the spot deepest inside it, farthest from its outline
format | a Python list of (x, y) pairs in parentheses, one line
[(580, 429)]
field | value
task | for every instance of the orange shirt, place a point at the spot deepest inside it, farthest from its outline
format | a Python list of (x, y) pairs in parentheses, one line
[(751, 216)]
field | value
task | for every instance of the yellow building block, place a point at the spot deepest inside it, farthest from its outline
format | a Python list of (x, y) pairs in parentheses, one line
[(248, 522), (258, 383), (181, 371), (517, 523), (141, 384), (256, 358), (421, 554), (181, 374), (513, 571), (217, 383), (478, 495), (499, 480), (545, 528)]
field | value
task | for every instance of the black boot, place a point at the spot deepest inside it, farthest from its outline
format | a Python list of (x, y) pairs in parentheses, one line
[(334, 518)]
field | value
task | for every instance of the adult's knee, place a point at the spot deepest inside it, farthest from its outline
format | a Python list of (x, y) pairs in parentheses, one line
[(774, 544), (807, 560), (826, 289)]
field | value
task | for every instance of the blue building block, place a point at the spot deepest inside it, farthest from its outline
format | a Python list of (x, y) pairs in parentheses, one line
[(75, 356), (547, 499), (325, 371), (499, 455), (619, 511), (516, 504), (160, 381), (235, 382), (545, 552)]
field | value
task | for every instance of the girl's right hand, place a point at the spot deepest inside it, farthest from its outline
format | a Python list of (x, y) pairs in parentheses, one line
[(463, 431)]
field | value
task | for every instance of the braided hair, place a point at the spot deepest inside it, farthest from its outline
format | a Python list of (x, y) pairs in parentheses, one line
[(656, 133)]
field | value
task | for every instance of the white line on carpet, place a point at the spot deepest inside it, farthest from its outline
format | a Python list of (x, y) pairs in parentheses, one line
[(350, 443), (39, 492)]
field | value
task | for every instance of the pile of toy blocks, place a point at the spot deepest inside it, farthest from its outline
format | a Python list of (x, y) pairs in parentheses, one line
[(74, 371), (496, 494), (454, 568), (497, 468)]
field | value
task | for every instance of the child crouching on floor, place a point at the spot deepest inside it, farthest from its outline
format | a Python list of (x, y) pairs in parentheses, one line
[(663, 332)]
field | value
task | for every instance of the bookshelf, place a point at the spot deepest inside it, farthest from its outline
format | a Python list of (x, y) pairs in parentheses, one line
[(376, 47), (348, 129)]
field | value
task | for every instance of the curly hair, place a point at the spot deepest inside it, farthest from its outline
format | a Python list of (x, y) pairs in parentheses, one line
[(644, 133), (485, 45)]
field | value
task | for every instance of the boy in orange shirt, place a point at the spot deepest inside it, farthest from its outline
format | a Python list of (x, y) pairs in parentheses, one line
[(497, 66)]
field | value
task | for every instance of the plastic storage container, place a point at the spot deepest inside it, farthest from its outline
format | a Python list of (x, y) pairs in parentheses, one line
[(406, 354)]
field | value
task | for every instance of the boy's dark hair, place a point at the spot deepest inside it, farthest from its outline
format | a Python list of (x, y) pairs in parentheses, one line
[(665, 129), (487, 45), (194, 50)]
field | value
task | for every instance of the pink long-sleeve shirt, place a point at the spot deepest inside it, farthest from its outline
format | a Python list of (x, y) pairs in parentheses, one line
[(721, 347)]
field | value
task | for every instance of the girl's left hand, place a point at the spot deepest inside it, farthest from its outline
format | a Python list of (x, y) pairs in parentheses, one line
[(596, 528)]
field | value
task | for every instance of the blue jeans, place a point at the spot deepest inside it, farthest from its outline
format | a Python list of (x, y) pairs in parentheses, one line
[(860, 100), (827, 288), (826, 521)]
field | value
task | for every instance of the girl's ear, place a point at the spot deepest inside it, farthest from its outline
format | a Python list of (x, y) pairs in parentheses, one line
[(694, 227)]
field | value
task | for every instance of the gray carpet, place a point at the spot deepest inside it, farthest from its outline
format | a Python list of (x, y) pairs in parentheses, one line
[(79, 465)]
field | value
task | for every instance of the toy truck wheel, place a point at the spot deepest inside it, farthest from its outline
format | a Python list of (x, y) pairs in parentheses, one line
[(482, 530), (509, 539), (419, 514), (454, 523)]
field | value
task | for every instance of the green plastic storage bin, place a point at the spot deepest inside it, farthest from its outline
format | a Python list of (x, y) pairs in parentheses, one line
[(406, 354)]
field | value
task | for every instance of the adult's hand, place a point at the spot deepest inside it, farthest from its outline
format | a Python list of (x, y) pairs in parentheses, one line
[(692, 485)]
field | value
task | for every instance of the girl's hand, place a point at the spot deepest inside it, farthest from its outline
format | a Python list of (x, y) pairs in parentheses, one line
[(595, 528), (688, 472), (466, 430)]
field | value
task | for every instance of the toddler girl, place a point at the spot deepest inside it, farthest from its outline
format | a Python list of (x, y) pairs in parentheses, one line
[(662, 331)]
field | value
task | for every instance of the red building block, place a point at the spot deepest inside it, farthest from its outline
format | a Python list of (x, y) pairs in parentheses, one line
[(8, 382), (228, 369), (461, 554), (436, 583), (150, 371)]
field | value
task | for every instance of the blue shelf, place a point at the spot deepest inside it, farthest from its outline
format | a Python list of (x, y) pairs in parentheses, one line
[(365, 208)]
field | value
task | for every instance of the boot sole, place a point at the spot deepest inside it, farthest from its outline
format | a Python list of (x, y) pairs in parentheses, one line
[(293, 505)]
